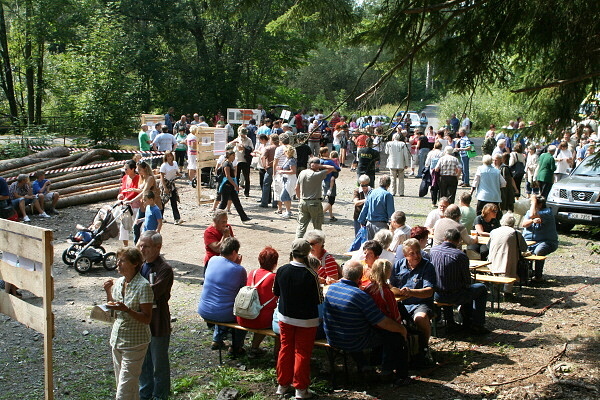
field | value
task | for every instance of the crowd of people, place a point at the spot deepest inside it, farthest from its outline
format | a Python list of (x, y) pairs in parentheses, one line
[(375, 301)]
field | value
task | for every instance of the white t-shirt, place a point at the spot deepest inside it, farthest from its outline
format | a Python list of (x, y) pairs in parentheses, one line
[(170, 171)]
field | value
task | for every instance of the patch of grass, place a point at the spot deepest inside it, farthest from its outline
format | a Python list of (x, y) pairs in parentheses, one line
[(495, 314), (503, 347), (185, 384)]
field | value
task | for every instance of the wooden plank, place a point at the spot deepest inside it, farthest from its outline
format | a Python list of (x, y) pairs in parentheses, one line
[(19, 310), (22, 239), (32, 281), (495, 279), (48, 286)]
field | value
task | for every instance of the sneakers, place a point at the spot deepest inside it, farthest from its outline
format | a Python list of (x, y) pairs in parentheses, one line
[(281, 390), (304, 394), (44, 215), (333, 219), (179, 222), (26, 219), (54, 212), (285, 214)]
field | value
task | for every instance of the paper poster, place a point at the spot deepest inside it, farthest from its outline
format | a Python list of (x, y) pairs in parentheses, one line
[(220, 141)]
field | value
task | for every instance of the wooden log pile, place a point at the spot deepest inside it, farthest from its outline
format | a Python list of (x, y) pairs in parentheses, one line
[(76, 187)]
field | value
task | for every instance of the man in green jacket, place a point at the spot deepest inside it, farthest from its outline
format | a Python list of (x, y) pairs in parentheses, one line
[(545, 171)]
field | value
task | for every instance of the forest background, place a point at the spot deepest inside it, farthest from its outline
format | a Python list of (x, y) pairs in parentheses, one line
[(89, 68)]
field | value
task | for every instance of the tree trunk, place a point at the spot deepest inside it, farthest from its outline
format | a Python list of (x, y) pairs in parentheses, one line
[(54, 163), (52, 153), (91, 156), (85, 179), (88, 198), (82, 188), (9, 88), (32, 159), (29, 64), (39, 92), (65, 176)]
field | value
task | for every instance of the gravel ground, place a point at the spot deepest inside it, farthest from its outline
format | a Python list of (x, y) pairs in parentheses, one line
[(527, 334)]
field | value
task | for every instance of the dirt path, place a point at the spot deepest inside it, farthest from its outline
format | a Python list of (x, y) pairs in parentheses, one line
[(526, 334)]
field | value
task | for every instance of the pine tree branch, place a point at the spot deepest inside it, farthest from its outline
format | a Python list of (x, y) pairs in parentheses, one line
[(558, 83)]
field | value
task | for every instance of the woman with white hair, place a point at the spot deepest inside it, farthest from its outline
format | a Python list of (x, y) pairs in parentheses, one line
[(398, 159), (506, 245)]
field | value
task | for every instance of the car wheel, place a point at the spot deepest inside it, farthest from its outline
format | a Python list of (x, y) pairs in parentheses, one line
[(83, 264), (110, 261), (564, 227)]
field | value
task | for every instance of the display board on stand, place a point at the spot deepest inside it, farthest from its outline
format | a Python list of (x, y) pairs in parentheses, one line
[(27, 256), (210, 144)]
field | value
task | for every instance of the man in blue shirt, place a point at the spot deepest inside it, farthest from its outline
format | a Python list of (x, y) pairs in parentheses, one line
[(464, 144), (414, 279), (353, 322), (41, 187), (378, 208), (539, 226), (454, 284)]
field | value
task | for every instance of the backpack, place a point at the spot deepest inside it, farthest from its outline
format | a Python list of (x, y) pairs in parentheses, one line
[(518, 169), (247, 304)]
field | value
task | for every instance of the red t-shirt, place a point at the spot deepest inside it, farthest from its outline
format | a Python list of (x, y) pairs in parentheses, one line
[(361, 141), (130, 183), (298, 120), (329, 267), (211, 235), (385, 300), (265, 293)]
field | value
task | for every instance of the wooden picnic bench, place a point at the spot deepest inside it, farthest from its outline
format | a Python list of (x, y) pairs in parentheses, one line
[(330, 351)]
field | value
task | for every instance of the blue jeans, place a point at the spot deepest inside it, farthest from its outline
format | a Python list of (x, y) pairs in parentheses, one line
[(356, 227), (422, 157), (542, 249), (155, 379), (465, 169), (472, 299), (266, 189), (237, 336)]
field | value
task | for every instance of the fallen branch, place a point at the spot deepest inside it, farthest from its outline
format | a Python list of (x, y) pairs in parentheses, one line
[(539, 370)]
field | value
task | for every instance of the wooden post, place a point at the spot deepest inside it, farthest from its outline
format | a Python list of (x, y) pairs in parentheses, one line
[(30, 246)]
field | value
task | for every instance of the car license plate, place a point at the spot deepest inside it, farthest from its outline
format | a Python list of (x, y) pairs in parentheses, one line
[(585, 217)]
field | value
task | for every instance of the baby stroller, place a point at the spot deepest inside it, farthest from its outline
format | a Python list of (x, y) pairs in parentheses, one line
[(85, 247)]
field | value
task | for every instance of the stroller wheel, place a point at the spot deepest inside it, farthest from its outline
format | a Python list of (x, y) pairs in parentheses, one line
[(110, 261), (212, 181), (83, 264), (194, 183), (70, 254)]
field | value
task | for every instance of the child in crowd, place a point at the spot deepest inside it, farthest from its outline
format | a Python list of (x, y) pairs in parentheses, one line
[(153, 218), (380, 291), (467, 213)]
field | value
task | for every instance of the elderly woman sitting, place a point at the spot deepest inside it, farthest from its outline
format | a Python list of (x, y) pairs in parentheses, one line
[(329, 271), (451, 221), (506, 246), (384, 238)]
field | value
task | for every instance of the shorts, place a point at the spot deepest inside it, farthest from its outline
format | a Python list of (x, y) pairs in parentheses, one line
[(331, 200), (15, 202), (191, 162), (414, 309), (48, 196)]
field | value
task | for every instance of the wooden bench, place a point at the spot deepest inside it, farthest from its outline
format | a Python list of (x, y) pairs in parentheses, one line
[(495, 282), (530, 269), (331, 351)]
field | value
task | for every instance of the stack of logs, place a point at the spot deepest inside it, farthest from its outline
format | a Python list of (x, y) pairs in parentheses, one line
[(75, 187)]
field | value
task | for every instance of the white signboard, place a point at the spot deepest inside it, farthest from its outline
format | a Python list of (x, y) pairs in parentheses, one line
[(285, 115), (241, 116)]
